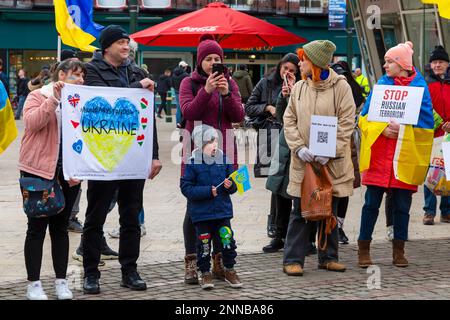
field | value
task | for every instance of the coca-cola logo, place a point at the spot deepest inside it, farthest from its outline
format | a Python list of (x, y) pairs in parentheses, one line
[(198, 29)]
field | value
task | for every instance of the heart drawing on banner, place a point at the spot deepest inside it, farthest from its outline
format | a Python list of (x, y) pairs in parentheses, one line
[(144, 103), (78, 146), (140, 139), (73, 100), (144, 122), (109, 131)]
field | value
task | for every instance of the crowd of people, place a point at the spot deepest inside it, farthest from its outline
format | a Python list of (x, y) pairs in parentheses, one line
[(388, 158)]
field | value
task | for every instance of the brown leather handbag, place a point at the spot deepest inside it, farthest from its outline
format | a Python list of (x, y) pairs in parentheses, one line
[(316, 200)]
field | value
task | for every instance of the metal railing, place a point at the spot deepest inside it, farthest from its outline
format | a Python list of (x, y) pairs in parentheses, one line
[(281, 7)]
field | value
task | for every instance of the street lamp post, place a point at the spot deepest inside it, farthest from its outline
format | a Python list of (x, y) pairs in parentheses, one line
[(133, 9)]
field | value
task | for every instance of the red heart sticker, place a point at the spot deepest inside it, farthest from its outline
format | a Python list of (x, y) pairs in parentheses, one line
[(143, 120), (141, 137), (75, 124), (144, 101)]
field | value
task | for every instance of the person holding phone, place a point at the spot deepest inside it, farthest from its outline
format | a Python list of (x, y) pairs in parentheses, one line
[(209, 96), (261, 106)]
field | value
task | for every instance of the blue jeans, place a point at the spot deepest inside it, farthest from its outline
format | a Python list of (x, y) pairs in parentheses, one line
[(178, 116), (431, 203), (20, 106), (401, 203)]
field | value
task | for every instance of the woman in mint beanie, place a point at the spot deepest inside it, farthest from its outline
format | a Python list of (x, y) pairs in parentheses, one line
[(325, 93)]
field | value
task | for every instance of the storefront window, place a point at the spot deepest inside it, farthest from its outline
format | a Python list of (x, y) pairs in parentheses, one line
[(15, 64), (446, 32), (422, 31), (156, 4), (414, 4)]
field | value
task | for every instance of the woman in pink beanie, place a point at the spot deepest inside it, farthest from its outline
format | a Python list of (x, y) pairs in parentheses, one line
[(212, 99), (394, 158), (399, 57)]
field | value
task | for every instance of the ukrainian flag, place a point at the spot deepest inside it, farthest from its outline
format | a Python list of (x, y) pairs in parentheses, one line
[(443, 7), (75, 25), (242, 179), (8, 129), (414, 143)]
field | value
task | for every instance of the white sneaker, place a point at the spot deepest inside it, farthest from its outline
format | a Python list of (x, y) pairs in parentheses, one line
[(143, 230), (62, 290), (390, 233), (35, 291), (115, 233)]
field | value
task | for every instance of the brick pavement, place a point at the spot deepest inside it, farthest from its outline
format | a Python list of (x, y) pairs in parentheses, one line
[(427, 277), (165, 207)]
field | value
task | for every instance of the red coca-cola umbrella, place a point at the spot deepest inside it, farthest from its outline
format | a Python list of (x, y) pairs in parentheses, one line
[(233, 29)]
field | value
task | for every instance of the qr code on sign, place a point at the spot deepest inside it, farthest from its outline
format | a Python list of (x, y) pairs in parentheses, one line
[(322, 137)]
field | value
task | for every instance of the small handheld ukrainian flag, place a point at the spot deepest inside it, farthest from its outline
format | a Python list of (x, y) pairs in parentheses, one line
[(242, 179), (8, 129)]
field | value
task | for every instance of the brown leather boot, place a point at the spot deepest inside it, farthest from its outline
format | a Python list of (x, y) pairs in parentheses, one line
[(190, 268), (364, 259), (398, 253), (218, 270)]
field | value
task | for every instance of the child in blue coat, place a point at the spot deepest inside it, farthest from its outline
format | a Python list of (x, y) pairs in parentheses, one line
[(206, 186)]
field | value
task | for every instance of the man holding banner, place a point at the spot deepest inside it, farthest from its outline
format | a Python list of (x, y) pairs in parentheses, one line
[(110, 67)]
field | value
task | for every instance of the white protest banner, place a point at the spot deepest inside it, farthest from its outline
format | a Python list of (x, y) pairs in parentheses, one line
[(107, 133), (446, 154), (399, 103), (323, 136)]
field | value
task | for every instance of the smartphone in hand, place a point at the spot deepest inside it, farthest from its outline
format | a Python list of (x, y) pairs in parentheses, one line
[(219, 68)]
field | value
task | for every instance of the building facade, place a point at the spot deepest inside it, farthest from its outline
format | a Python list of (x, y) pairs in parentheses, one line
[(29, 37), (382, 24)]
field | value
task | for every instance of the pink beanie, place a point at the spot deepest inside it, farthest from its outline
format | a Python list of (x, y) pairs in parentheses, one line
[(208, 45), (402, 54)]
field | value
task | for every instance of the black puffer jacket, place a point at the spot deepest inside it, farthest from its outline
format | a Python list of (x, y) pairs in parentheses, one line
[(178, 75), (264, 91), (101, 74)]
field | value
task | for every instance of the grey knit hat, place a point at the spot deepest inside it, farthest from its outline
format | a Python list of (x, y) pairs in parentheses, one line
[(320, 52), (202, 134)]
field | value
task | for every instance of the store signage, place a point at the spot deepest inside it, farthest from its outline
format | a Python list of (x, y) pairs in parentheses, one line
[(198, 29), (337, 14)]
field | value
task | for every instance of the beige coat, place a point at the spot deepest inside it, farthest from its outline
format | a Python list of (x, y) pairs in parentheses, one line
[(331, 97)]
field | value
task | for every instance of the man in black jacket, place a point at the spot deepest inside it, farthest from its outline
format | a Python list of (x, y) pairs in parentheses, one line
[(111, 68), (163, 85), (22, 92)]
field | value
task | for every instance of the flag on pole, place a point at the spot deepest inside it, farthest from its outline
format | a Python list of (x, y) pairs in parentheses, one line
[(75, 25), (8, 129), (242, 179), (443, 7)]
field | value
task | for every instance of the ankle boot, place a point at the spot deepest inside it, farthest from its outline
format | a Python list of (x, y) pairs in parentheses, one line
[(190, 269), (364, 259), (218, 270), (398, 253), (275, 245)]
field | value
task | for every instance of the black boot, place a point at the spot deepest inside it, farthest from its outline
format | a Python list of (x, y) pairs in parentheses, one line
[(107, 252), (275, 245), (343, 239), (271, 226)]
